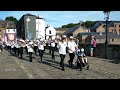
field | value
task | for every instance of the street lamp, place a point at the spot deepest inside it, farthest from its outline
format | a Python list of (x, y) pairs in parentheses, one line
[(106, 13)]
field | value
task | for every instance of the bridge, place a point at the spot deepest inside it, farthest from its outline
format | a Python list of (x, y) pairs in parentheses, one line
[(12, 67)]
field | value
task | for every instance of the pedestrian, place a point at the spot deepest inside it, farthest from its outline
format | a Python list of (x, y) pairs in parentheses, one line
[(26, 49), (93, 46), (30, 50), (1, 47), (49, 44), (12, 47), (53, 49), (17, 48), (35, 47), (62, 51), (71, 49), (41, 48)]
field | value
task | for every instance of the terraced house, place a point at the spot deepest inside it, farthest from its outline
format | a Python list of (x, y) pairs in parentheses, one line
[(113, 26)]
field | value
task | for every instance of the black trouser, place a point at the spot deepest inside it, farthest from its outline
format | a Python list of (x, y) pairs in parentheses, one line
[(15, 50), (62, 57), (21, 52), (94, 48), (44, 48), (26, 50), (9, 49), (12, 50), (30, 56), (53, 50), (40, 53), (35, 49), (18, 51), (49, 49), (56, 46), (71, 55)]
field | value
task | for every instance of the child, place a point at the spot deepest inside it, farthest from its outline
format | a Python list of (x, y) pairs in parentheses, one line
[(82, 59)]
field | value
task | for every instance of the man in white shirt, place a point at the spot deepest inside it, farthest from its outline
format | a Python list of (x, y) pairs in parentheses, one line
[(62, 51), (53, 49), (41, 48), (35, 46), (71, 49), (30, 50)]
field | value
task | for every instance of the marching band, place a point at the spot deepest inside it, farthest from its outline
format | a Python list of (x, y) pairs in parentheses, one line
[(63, 46)]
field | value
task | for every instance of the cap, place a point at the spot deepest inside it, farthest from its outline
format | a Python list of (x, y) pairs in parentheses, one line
[(64, 36), (71, 37)]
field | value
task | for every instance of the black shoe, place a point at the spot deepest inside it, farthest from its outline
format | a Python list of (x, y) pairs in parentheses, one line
[(69, 62), (63, 69), (41, 58), (80, 69), (87, 67), (60, 64)]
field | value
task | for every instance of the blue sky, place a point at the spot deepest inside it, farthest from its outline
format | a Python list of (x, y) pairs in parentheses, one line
[(59, 18)]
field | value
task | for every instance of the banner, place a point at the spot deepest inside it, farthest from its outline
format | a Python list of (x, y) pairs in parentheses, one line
[(11, 36)]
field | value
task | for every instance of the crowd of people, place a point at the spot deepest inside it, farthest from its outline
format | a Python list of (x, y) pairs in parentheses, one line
[(64, 45)]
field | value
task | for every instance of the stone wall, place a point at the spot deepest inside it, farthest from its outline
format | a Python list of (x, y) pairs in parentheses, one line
[(113, 51)]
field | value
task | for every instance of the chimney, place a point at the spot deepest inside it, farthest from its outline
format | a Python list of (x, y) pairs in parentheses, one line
[(80, 22)]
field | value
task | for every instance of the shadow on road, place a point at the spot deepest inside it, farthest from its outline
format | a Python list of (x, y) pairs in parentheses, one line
[(47, 62)]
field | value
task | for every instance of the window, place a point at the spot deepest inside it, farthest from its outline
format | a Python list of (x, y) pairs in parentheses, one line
[(115, 31), (119, 26), (100, 40), (112, 40), (49, 31)]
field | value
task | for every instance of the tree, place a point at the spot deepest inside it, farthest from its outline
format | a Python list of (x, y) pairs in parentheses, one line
[(86, 24), (11, 18), (89, 23), (70, 25)]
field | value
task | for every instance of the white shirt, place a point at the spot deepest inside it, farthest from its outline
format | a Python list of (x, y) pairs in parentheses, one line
[(30, 49), (35, 44), (72, 46), (12, 46), (17, 46), (53, 44), (62, 47), (40, 46)]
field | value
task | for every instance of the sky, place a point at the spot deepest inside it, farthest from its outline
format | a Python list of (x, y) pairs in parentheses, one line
[(59, 18)]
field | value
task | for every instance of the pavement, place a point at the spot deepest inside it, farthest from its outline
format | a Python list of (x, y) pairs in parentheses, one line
[(12, 67)]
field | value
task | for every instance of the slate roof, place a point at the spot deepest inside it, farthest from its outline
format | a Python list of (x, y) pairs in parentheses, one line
[(61, 29), (70, 30), (110, 35)]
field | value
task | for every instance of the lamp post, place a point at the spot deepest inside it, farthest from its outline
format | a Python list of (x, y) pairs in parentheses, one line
[(106, 13)]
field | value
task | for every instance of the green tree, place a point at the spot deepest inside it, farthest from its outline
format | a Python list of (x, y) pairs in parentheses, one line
[(11, 18), (86, 24), (89, 23)]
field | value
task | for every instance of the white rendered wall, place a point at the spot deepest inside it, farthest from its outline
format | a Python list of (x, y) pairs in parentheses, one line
[(53, 32), (10, 30), (40, 28)]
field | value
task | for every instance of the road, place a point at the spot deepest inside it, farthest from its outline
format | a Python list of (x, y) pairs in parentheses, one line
[(12, 67)]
